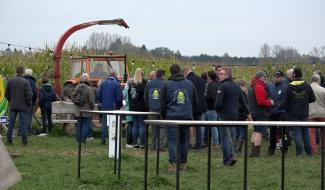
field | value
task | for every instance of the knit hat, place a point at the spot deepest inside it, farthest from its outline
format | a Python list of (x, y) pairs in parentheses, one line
[(260, 74)]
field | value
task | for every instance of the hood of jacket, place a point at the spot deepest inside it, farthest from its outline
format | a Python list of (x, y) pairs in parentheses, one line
[(297, 84), (47, 87), (177, 77), (30, 78), (256, 81)]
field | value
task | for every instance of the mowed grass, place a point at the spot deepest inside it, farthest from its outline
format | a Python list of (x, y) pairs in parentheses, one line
[(51, 163)]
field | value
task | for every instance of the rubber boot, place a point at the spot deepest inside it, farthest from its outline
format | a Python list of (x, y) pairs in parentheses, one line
[(257, 151)]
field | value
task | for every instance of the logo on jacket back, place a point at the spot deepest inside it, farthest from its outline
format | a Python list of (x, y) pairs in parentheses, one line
[(155, 94), (181, 96), (133, 93)]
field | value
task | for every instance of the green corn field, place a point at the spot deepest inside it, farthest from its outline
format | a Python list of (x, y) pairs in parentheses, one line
[(42, 63)]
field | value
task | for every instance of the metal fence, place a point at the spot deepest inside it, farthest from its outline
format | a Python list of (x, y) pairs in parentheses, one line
[(209, 124), (118, 114)]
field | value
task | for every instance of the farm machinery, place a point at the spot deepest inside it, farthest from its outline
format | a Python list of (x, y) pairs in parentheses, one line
[(97, 66)]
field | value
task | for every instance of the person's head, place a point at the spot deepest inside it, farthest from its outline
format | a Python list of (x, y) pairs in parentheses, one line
[(241, 83), (278, 76), (297, 74), (29, 72), (160, 73), (186, 70), (212, 76), (225, 73), (152, 75), (45, 79), (84, 77), (99, 67), (138, 76), (20, 70), (175, 69), (218, 69), (260, 75), (315, 78), (320, 73), (204, 76), (112, 73), (289, 74)]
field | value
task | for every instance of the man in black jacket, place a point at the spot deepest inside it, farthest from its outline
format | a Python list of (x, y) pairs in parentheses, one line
[(19, 94), (210, 97), (201, 107), (298, 96), (152, 94), (178, 97), (229, 97)]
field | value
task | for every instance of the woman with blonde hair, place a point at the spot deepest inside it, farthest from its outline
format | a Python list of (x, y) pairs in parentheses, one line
[(136, 103)]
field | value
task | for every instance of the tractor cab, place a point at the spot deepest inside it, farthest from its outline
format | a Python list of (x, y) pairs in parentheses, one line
[(98, 68)]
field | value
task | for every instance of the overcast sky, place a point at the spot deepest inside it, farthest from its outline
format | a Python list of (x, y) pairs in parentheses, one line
[(238, 27)]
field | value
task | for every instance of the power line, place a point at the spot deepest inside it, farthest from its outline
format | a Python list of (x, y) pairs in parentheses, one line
[(21, 46)]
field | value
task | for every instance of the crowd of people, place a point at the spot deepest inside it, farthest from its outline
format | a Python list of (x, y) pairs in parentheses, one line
[(22, 94), (213, 96)]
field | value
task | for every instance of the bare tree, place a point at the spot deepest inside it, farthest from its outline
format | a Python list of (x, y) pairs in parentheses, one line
[(315, 52), (265, 51), (276, 51), (98, 41)]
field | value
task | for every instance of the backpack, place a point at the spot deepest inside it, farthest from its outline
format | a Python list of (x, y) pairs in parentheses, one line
[(79, 98)]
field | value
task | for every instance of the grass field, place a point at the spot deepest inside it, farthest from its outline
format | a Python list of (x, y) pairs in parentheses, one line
[(51, 163)]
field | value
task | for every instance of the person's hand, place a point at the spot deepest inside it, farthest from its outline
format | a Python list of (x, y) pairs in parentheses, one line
[(98, 83), (272, 102), (249, 117)]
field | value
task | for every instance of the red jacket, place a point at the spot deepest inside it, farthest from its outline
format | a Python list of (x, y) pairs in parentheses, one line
[(260, 93)]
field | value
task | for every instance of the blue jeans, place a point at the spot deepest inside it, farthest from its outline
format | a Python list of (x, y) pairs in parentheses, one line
[(46, 116), (211, 115), (104, 129), (138, 129), (129, 133), (226, 143), (29, 122), (198, 131), (183, 144), (23, 120), (86, 126), (302, 139), (241, 133)]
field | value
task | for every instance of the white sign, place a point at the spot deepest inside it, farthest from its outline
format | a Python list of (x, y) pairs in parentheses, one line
[(111, 122), (3, 120)]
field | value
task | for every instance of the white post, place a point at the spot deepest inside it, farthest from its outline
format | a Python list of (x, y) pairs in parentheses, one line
[(111, 122)]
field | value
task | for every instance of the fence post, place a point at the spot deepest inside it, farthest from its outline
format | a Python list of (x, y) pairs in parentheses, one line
[(322, 159), (79, 147), (115, 151), (157, 127), (245, 159), (146, 158), (209, 157), (282, 158)]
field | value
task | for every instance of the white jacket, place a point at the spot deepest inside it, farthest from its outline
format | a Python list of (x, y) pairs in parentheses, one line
[(317, 108)]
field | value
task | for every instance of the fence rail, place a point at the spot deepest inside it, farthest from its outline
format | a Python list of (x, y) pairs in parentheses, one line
[(209, 124)]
